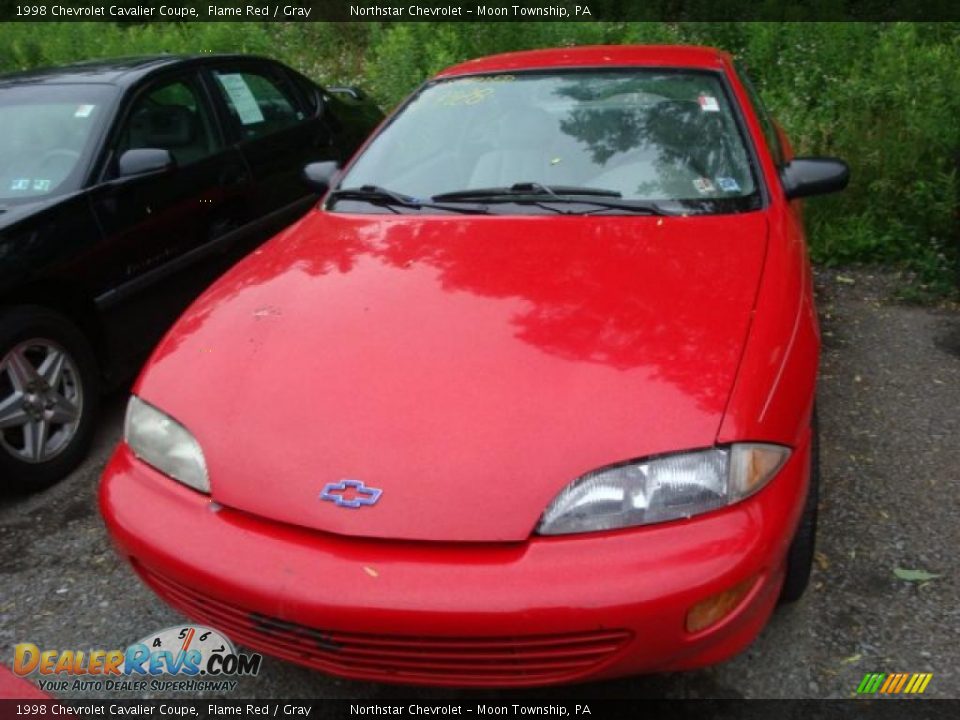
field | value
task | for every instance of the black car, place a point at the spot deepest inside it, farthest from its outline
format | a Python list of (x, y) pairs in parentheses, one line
[(126, 186)]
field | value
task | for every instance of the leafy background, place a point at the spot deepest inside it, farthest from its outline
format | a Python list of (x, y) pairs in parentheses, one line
[(884, 96)]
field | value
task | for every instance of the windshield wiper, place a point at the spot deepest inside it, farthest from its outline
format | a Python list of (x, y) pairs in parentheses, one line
[(522, 189), (532, 193), (638, 208), (381, 196)]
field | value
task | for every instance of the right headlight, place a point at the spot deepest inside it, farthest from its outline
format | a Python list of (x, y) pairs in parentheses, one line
[(663, 488), (160, 441)]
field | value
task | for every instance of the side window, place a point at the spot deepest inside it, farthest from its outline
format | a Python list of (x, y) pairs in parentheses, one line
[(257, 102), (173, 117), (310, 93), (766, 122)]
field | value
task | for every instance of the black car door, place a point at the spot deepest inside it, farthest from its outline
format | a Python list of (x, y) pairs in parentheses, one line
[(161, 223), (277, 129)]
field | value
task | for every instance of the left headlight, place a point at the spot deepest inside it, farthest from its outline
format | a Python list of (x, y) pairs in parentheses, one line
[(664, 488), (160, 441)]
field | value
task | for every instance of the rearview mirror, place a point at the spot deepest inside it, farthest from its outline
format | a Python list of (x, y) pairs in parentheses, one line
[(141, 161), (805, 176), (319, 175)]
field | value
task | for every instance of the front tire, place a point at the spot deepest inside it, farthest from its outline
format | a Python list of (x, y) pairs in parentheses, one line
[(49, 397), (800, 555)]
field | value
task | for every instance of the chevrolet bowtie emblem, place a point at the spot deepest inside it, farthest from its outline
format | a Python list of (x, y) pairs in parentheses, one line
[(350, 494)]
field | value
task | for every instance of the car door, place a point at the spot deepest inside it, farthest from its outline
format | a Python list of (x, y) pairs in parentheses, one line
[(277, 129), (159, 224)]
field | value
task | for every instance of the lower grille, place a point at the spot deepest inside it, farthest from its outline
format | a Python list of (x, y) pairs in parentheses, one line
[(462, 661)]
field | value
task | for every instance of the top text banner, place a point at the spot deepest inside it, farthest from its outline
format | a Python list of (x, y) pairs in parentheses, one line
[(472, 10)]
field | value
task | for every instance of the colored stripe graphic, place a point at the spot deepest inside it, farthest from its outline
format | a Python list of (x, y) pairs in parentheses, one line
[(921, 680), (890, 682), (871, 683), (894, 683)]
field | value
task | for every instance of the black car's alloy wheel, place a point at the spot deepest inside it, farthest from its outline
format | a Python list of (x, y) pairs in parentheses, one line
[(48, 397)]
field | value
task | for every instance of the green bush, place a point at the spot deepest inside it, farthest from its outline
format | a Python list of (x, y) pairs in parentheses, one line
[(886, 97)]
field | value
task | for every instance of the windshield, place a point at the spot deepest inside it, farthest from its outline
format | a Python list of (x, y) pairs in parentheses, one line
[(667, 137), (46, 134)]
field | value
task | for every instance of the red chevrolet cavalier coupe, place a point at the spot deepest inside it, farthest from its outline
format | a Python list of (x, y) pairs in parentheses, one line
[(528, 399)]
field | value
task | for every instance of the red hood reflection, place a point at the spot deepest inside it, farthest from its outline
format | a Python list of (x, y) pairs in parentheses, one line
[(469, 367)]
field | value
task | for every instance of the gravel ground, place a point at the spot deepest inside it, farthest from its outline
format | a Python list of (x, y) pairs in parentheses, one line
[(889, 399)]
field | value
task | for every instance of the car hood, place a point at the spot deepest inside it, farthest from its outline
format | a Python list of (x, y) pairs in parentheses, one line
[(467, 367), (13, 213)]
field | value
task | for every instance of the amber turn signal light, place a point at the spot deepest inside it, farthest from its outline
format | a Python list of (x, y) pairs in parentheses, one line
[(716, 607)]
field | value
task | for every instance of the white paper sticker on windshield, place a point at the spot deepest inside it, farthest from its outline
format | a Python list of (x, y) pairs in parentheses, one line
[(728, 184), (20, 184), (243, 100), (41, 185), (703, 185), (708, 103), (83, 111)]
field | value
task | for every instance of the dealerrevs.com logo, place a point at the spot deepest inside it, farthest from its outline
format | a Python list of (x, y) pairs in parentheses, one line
[(199, 657)]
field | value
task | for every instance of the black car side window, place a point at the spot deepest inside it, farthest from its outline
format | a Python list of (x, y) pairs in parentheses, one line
[(766, 122), (258, 104), (308, 91), (173, 117)]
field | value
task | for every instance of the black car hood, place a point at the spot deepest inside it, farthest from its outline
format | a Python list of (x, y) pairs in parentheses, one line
[(12, 214)]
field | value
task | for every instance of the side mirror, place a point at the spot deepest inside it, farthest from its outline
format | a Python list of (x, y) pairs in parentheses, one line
[(143, 161), (319, 176), (805, 176)]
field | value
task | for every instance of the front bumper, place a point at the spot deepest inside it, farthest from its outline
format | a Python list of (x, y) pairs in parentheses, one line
[(550, 610)]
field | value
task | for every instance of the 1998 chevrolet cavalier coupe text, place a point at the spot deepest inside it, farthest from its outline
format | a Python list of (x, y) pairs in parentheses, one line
[(529, 399)]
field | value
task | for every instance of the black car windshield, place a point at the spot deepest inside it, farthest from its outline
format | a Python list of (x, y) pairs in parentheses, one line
[(665, 139), (46, 135)]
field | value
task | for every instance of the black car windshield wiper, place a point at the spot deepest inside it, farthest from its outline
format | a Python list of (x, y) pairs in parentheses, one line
[(633, 207), (381, 196), (524, 188), (537, 194)]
